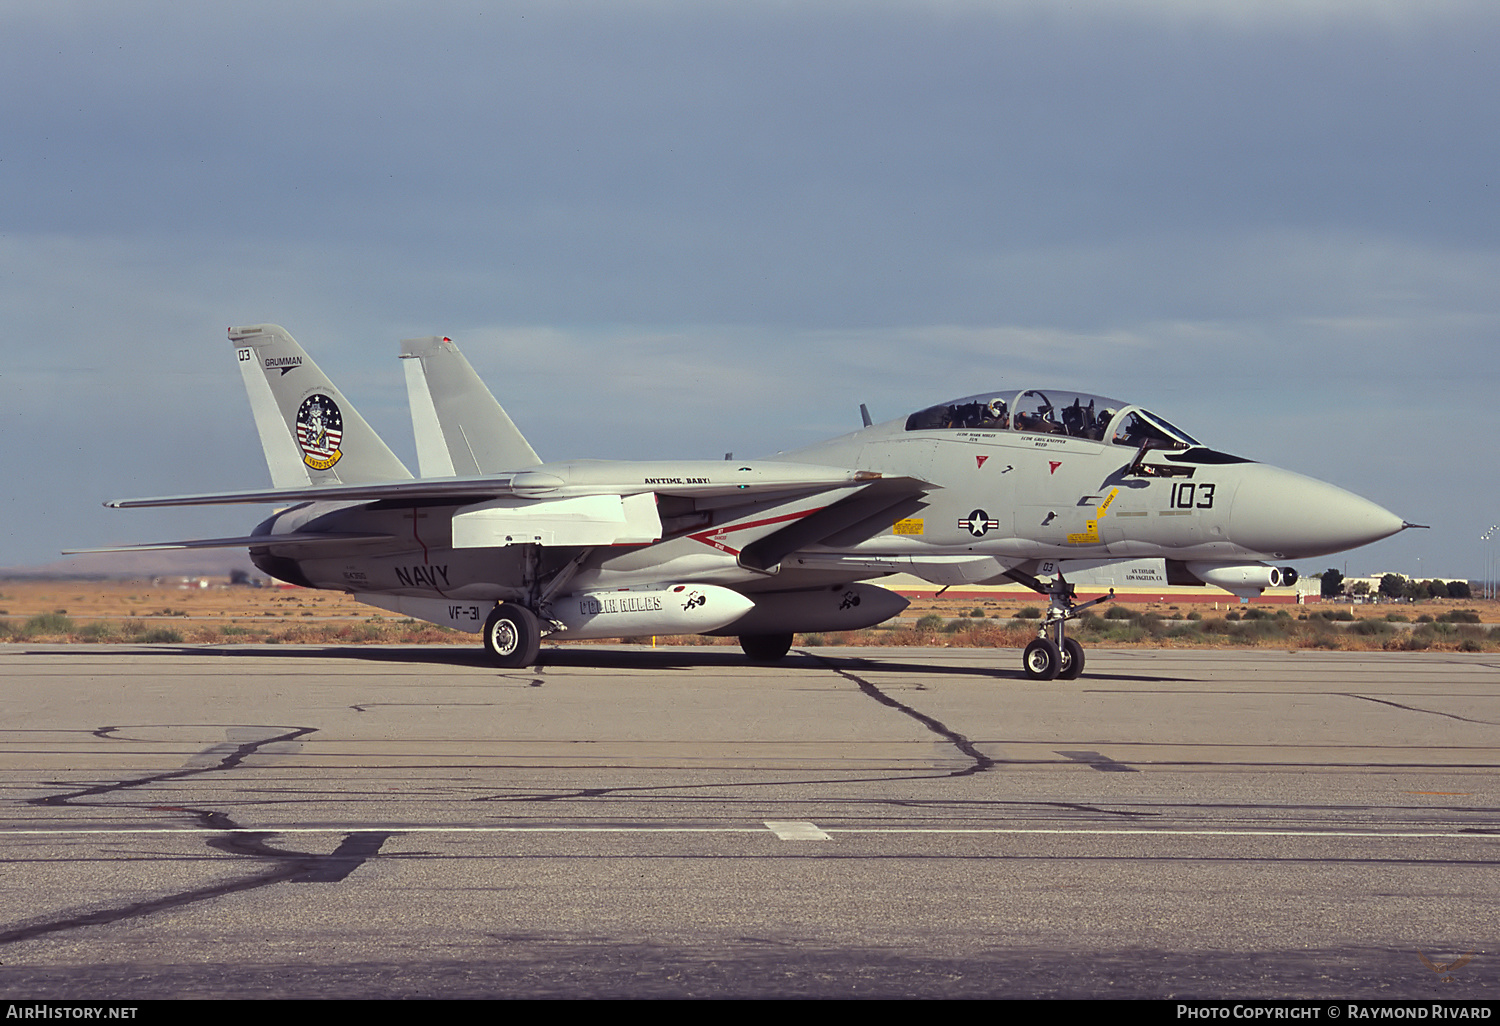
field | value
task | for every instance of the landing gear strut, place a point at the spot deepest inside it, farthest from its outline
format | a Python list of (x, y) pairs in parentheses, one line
[(1053, 654)]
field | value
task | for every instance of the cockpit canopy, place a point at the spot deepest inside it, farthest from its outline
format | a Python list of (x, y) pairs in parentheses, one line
[(1057, 412)]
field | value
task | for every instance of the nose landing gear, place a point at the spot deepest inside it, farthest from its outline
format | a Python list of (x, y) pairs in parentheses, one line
[(1054, 655)]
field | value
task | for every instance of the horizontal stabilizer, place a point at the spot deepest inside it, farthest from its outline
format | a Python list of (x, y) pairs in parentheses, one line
[(248, 541), (688, 478), (458, 490)]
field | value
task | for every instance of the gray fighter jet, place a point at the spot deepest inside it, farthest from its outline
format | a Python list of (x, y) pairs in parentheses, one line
[(1024, 485)]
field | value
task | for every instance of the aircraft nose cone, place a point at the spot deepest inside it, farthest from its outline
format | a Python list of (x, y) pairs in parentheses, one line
[(1288, 516)]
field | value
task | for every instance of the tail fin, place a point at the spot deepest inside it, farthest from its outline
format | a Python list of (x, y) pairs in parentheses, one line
[(461, 430), (310, 432)]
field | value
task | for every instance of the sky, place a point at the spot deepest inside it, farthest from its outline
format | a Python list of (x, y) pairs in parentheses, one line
[(672, 229)]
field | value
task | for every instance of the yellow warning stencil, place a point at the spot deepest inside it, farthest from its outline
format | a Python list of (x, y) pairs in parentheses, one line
[(1090, 534)]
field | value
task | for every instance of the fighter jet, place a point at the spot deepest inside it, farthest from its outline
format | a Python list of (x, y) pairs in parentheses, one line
[(1026, 485)]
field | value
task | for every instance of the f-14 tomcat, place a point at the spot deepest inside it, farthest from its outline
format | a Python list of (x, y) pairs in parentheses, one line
[(1024, 485)]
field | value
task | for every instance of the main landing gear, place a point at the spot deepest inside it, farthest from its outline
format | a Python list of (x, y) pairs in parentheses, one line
[(765, 648), (512, 636), (1054, 655)]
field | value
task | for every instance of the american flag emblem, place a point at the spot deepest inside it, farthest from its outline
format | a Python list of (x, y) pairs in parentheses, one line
[(320, 429)]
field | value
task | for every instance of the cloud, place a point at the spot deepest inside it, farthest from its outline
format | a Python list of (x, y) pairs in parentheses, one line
[(662, 228)]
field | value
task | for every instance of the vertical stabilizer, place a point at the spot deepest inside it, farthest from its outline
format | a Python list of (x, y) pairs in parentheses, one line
[(461, 430), (311, 434)]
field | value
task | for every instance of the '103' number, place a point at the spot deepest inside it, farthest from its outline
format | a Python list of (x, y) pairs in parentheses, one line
[(1188, 495)]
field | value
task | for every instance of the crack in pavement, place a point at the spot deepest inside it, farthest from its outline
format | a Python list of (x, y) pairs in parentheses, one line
[(287, 866), (231, 760), (292, 867), (1412, 708), (982, 762)]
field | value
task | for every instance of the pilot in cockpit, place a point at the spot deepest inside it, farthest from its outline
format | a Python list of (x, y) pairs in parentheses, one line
[(1105, 416), (995, 416)]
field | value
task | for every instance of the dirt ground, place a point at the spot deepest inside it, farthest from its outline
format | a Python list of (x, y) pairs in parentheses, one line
[(208, 611), (171, 599)]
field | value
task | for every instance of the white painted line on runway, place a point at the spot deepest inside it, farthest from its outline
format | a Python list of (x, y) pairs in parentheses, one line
[(1169, 832), (829, 832), (796, 831)]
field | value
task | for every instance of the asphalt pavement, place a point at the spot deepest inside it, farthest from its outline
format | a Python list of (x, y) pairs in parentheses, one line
[(306, 821)]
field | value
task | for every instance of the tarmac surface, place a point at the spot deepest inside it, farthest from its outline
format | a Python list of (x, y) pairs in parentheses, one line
[(288, 821)]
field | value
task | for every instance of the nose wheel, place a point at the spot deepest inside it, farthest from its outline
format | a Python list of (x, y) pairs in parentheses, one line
[(1054, 655), (1042, 659)]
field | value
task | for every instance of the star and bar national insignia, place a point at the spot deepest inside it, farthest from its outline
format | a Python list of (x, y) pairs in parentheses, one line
[(978, 522), (320, 429)]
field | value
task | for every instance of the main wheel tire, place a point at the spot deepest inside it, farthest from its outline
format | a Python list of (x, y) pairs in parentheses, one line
[(512, 636), (1041, 660), (1072, 660), (765, 648)]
